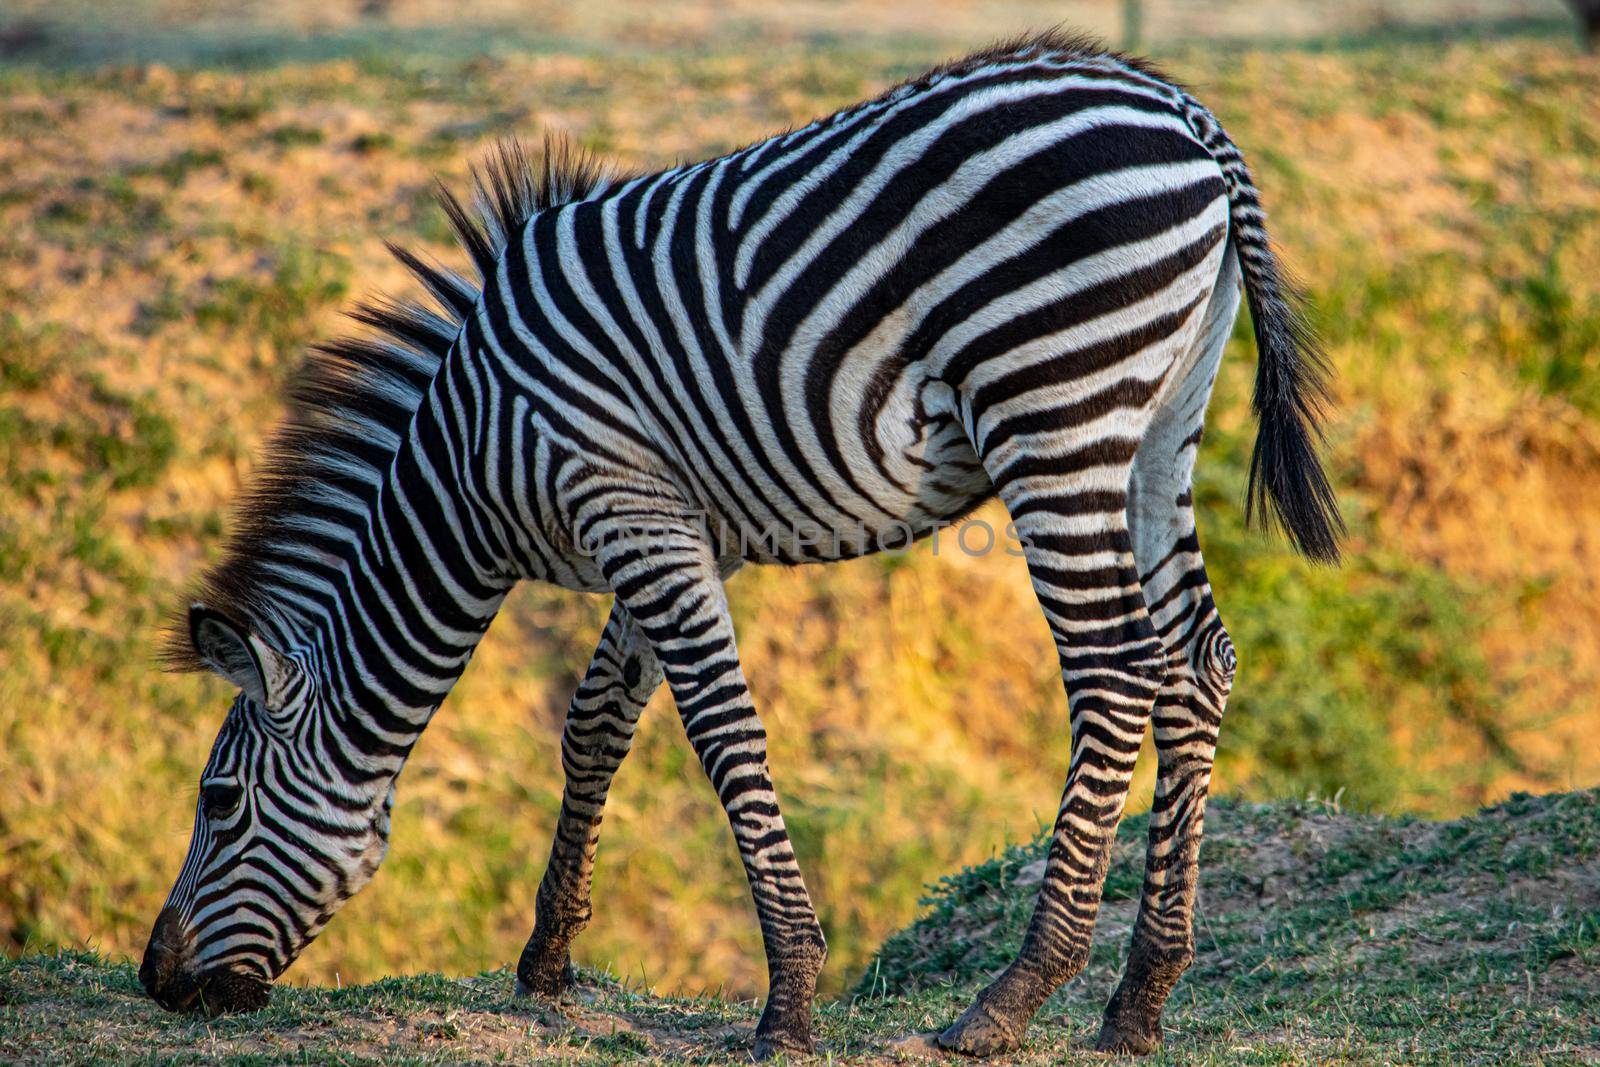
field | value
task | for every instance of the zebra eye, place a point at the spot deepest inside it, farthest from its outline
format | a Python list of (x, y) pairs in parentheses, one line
[(220, 799)]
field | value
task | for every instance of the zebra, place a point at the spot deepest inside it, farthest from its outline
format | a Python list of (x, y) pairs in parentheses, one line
[(1012, 276)]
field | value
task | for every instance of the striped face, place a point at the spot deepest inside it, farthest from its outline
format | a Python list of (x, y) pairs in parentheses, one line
[(279, 843)]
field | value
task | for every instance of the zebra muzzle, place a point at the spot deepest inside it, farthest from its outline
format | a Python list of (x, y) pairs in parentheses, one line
[(166, 976)]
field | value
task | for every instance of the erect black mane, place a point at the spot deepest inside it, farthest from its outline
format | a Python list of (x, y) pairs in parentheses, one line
[(1056, 40), (351, 401)]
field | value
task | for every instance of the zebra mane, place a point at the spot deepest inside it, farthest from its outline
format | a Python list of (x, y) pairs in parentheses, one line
[(1056, 39), (350, 403)]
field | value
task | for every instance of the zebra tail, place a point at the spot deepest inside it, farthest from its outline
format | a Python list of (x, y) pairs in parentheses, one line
[(1287, 481)]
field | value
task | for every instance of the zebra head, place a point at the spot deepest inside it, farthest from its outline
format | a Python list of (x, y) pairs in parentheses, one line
[(279, 843)]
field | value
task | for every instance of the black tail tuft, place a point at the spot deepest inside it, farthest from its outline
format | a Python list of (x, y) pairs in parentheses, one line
[(1287, 482)]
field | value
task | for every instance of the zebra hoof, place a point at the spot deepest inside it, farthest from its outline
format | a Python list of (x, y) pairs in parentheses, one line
[(980, 1033), (773, 1044), (545, 984), (1120, 1038)]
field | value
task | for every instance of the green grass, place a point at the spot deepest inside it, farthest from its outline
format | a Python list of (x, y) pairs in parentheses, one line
[(1322, 936), (171, 238), (1349, 936), (119, 438), (280, 306)]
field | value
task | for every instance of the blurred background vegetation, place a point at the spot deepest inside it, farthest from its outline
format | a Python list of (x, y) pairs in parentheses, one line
[(190, 191)]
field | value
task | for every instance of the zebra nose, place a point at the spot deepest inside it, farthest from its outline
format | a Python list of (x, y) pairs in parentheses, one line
[(161, 971)]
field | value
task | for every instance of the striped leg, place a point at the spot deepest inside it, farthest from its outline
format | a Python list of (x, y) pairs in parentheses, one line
[(666, 577), (1068, 502), (1200, 664), (1187, 716), (1059, 437), (599, 729)]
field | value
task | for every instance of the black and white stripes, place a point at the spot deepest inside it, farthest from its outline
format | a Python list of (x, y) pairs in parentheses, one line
[(1014, 275)]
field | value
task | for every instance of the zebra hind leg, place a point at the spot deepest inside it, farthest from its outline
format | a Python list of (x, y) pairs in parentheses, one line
[(1187, 716), (1188, 711), (599, 730), (1067, 493)]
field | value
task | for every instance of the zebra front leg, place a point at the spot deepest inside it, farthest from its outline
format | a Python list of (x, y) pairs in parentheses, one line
[(599, 729), (1076, 543), (664, 572)]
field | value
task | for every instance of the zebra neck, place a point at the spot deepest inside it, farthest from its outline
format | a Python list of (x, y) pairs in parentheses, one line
[(415, 598)]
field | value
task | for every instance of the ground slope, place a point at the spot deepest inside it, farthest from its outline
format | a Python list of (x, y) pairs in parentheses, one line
[(1323, 936)]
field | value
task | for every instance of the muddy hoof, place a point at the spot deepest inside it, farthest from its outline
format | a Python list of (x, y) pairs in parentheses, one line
[(769, 1046), (980, 1033), (1126, 1038), (546, 983)]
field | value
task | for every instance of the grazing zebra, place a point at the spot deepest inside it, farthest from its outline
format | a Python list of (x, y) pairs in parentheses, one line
[(1012, 276)]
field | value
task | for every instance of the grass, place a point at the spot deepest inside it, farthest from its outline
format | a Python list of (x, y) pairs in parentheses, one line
[(172, 236), (1348, 936), (1322, 936)]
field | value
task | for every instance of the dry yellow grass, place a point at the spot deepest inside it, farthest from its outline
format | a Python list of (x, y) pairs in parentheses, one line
[(170, 239)]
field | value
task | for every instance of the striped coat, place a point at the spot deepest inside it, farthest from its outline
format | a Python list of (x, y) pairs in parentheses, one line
[(1012, 276)]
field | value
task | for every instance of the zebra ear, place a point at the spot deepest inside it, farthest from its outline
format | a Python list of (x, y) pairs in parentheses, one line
[(234, 653)]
